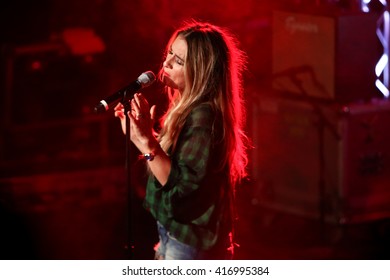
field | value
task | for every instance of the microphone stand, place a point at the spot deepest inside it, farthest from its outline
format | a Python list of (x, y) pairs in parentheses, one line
[(323, 123), (129, 247)]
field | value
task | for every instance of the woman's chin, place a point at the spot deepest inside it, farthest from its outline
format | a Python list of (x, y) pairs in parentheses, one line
[(168, 82)]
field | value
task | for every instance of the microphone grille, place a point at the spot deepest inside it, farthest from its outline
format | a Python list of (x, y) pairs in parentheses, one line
[(147, 78)]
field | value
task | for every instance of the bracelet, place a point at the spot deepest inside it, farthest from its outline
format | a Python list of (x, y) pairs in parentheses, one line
[(148, 156)]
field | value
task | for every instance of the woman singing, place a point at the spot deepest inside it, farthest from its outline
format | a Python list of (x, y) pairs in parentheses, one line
[(199, 156)]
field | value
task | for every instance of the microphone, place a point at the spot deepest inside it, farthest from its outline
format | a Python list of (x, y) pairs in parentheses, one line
[(144, 80)]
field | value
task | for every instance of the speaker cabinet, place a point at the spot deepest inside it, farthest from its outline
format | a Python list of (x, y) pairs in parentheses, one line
[(330, 57), (322, 160)]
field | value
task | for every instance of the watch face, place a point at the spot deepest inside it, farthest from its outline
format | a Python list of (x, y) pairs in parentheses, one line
[(149, 156)]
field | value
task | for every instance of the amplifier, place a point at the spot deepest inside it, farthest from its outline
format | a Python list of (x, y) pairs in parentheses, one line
[(328, 161), (330, 57)]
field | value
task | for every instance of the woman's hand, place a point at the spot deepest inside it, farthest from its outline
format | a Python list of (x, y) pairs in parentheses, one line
[(142, 119), (120, 113), (141, 124)]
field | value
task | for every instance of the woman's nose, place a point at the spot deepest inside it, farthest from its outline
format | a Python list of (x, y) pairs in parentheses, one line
[(168, 62)]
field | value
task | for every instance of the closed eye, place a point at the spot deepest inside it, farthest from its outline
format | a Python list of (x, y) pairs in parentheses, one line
[(178, 59)]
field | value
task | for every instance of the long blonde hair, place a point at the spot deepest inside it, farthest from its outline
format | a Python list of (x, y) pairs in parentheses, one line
[(213, 74)]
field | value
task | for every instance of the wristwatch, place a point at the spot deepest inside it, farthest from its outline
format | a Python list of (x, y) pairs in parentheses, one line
[(149, 156)]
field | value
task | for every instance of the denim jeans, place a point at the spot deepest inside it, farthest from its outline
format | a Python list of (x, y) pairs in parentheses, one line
[(169, 248)]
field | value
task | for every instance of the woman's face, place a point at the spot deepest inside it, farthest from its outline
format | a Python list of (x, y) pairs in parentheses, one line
[(173, 66)]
